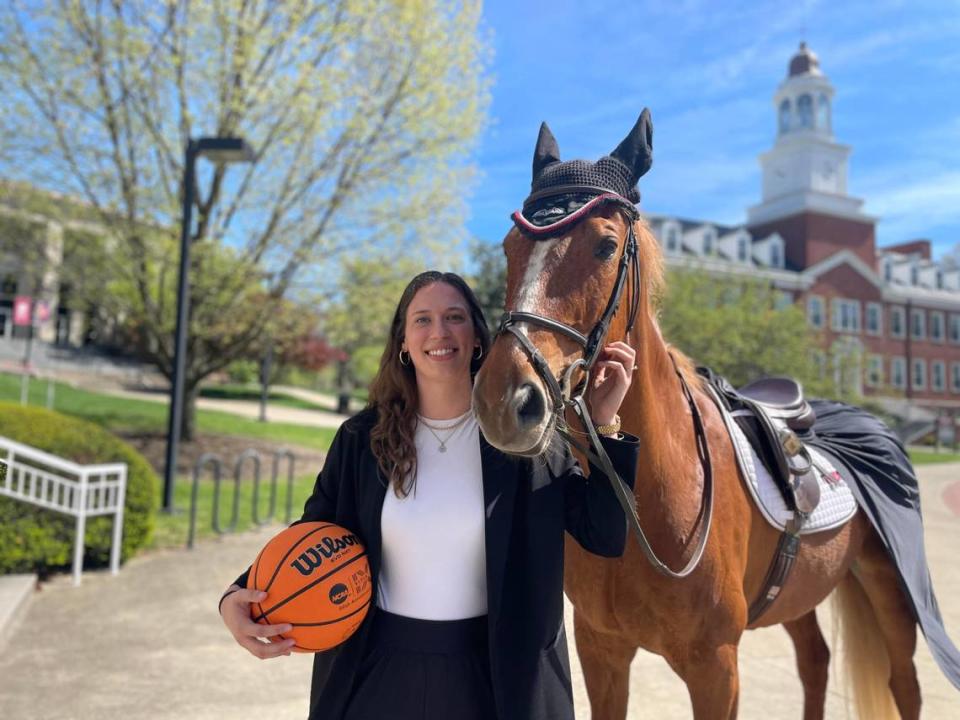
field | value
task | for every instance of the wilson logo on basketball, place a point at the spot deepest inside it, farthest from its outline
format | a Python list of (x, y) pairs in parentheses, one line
[(338, 593), (312, 558)]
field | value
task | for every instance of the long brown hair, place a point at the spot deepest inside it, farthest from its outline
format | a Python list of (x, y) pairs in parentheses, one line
[(393, 392)]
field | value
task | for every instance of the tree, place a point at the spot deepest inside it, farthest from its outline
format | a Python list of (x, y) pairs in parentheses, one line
[(743, 328), (362, 113), (489, 279)]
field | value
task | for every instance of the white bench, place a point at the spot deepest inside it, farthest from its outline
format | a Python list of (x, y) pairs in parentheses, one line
[(39, 478)]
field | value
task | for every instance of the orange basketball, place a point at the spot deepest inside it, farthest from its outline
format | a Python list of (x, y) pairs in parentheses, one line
[(317, 579)]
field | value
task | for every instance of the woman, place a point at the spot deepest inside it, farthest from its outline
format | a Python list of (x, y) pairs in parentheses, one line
[(465, 543)]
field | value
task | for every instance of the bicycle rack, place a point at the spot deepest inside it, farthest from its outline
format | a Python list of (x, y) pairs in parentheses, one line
[(217, 464)]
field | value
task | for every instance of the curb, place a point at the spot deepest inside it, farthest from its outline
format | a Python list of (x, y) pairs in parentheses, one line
[(16, 593)]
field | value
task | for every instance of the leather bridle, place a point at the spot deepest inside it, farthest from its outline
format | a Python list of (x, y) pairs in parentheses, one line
[(563, 396)]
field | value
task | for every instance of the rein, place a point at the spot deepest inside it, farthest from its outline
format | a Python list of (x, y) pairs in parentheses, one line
[(563, 396)]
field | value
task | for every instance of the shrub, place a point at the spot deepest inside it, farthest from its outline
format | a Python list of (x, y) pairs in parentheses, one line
[(243, 372), (34, 539)]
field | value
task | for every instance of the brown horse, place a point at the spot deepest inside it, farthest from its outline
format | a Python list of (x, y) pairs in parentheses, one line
[(696, 622)]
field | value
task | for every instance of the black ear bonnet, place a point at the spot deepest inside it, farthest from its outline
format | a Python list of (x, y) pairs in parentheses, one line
[(563, 192)]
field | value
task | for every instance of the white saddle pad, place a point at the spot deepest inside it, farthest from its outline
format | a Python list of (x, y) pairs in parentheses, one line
[(837, 503)]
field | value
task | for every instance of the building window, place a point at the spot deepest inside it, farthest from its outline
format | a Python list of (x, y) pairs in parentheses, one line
[(805, 111), (897, 321), (742, 249), (937, 376), (785, 116), (874, 371), (819, 363), (815, 311), (887, 270), (708, 243), (940, 279), (919, 374), (955, 377), (672, 240), (914, 275), (898, 372), (936, 327), (776, 259), (874, 318), (918, 324), (846, 315)]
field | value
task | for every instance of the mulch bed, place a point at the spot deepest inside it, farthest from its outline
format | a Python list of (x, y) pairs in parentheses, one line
[(153, 446)]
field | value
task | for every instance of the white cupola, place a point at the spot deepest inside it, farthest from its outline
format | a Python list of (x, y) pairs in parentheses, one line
[(806, 169)]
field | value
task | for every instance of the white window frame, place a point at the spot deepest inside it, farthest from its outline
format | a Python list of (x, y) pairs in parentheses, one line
[(953, 323), (671, 232), (922, 314), (934, 315), (811, 301), (934, 385), (898, 366), (900, 312), (874, 374), (955, 378), (837, 315), (878, 330), (709, 242), (922, 383)]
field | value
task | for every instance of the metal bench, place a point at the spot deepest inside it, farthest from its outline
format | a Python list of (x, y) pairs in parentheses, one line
[(39, 478)]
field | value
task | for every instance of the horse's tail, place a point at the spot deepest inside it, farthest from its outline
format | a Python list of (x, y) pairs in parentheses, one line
[(865, 660)]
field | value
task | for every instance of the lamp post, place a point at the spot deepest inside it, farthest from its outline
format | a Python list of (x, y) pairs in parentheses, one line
[(218, 150)]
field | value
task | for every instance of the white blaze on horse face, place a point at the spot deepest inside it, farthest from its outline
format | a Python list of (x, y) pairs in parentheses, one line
[(531, 288)]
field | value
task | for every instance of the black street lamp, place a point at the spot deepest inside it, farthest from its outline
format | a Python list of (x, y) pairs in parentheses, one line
[(218, 150)]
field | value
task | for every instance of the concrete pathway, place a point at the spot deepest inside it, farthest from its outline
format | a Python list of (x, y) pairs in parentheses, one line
[(148, 643)]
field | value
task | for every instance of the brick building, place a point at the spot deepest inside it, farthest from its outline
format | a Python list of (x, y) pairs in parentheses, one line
[(893, 312)]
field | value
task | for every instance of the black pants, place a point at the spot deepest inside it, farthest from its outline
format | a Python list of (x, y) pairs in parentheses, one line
[(424, 670)]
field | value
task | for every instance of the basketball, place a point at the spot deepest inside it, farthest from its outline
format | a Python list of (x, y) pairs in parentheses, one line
[(317, 579)]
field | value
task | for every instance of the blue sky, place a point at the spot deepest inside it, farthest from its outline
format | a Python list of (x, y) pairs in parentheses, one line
[(708, 71)]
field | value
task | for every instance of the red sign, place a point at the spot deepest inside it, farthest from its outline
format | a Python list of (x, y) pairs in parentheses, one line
[(21, 309)]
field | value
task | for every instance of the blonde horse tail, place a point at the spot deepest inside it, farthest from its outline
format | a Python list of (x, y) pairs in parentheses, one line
[(864, 655)]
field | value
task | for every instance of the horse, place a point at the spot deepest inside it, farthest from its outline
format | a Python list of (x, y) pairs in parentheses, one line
[(559, 290)]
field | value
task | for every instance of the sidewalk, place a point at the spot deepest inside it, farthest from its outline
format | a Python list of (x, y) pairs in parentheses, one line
[(148, 643)]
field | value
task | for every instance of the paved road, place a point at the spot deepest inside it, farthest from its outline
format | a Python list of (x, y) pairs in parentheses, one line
[(148, 643)]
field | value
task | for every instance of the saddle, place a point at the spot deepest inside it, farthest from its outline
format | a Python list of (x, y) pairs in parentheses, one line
[(771, 412)]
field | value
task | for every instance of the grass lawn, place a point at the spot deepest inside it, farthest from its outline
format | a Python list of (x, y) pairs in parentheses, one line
[(251, 394), (127, 415), (172, 530), (928, 457)]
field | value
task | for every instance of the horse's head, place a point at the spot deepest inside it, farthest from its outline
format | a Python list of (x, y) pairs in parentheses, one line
[(574, 283)]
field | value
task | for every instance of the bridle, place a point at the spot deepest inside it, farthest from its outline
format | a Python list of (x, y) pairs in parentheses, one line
[(564, 396)]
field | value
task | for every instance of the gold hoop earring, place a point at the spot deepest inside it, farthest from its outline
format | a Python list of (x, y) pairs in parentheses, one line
[(401, 358), (480, 348)]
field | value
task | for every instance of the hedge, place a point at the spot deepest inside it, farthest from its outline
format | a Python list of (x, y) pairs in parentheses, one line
[(34, 539)]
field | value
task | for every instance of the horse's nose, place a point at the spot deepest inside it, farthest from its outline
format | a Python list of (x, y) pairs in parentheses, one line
[(529, 405)]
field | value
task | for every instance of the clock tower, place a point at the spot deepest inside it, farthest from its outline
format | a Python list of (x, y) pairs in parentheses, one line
[(805, 174)]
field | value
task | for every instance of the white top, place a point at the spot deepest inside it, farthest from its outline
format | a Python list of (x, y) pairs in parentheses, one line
[(434, 556)]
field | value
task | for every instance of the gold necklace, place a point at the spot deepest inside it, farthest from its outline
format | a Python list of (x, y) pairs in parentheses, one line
[(451, 428)]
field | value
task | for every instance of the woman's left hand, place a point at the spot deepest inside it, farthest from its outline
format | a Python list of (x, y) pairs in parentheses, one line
[(612, 375)]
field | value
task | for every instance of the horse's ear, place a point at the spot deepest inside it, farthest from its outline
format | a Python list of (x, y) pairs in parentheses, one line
[(546, 152), (636, 150)]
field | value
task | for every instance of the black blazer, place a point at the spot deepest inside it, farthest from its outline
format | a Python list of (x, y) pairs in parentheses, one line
[(529, 505)]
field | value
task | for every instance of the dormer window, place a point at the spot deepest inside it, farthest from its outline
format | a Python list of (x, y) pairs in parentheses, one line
[(784, 116), (914, 275), (776, 259), (708, 243), (742, 249), (887, 271), (672, 239), (805, 111), (940, 279)]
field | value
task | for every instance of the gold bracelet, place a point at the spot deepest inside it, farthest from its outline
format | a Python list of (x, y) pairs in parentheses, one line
[(611, 429)]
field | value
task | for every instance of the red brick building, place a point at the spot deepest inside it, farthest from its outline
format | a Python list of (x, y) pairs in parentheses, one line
[(892, 312)]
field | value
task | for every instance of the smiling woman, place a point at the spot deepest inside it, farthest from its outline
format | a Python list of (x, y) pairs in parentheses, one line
[(465, 543)]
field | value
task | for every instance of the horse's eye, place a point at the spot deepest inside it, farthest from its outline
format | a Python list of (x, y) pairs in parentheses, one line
[(606, 248)]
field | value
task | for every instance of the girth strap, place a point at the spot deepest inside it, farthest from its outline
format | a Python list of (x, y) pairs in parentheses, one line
[(787, 550)]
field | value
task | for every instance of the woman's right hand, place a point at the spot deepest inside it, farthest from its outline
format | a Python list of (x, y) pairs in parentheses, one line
[(235, 612)]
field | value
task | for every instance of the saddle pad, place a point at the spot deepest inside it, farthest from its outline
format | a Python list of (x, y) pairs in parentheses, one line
[(837, 503)]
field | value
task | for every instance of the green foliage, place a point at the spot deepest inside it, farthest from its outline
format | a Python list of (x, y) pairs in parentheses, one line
[(243, 372), (363, 115), (741, 328), (489, 280), (35, 539)]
